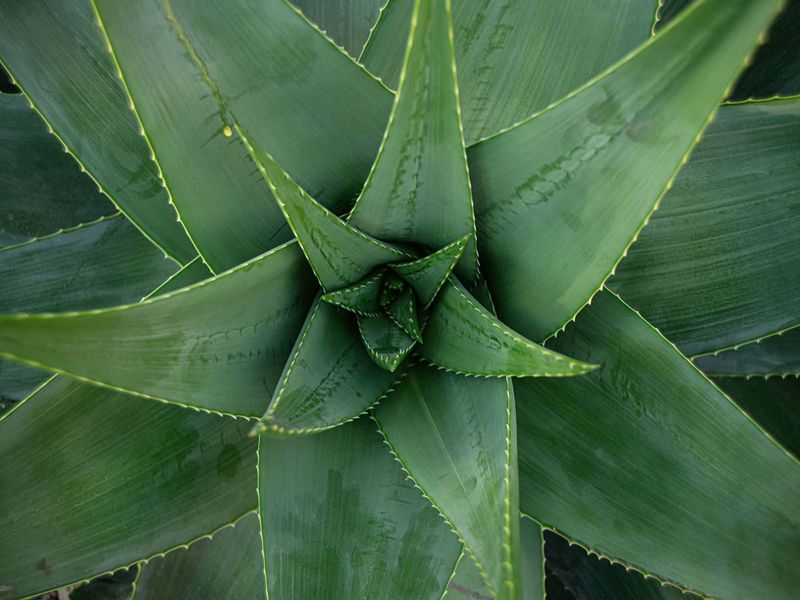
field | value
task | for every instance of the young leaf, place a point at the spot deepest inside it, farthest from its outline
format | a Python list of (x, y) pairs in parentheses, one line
[(689, 483), (339, 254), (328, 379), (776, 355), (568, 190), (386, 342), (462, 336), (340, 520), (362, 298), (456, 437), (418, 189), (58, 56), (403, 312), (219, 345), (428, 274), (119, 480), (717, 266)]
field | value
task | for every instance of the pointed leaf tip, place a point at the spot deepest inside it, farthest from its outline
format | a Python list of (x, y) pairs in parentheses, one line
[(427, 275)]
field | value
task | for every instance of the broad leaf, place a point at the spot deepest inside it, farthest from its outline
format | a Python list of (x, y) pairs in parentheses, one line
[(516, 57), (568, 190), (386, 343), (298, 97), (339, 254), (418, 189), (347, 22), (776, 355), (646, 461), (43, 190), (119, 479), (212, 181), (456, 437), (340, 520), (227, 566), (461, 335), (219, 345), (717, 266), (58, 56), (328, 379), (428, 274)]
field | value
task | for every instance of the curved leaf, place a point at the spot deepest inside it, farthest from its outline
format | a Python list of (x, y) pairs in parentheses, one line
[(568, 190), (418, 189), (776, 355), (462, 336), (386, 343), (43, 190), (456, 437), (362, 298), (226, 208), (717, 266), (518, 56), (119, 479), (428, 274), (219, 345), (58, 56), (403, 312), (646, 461), (340, 520), (347, 22), (328, 379)]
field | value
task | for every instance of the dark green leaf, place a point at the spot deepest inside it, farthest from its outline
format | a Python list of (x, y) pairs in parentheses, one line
[(776, 355), (461, 335), (219, 345), (567, 191), (94, 480), (43, 189), (341, 521), (362, 298), (58, 56), (456, 437), (226, 567), (518, 56), (717, 266), (403, 312), (418, 189), (386, 343), (347, 22), (226, 207), (428, 274), (329, 377), (193, 272), (646, 461)]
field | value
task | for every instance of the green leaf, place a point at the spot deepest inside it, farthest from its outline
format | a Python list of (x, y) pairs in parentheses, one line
[(428, 274), (387, 344), (462, 336), (220, 345), (403, 312), (43, 190), (717, 266), (192, 272), (362, 298), (227, 566), (58, 56), (776, 355), (328, 379), (517, 57), (309, 105), (456, 437), (341, 521), (646, 461), (774, 403), (226, 208), (418, 189), (119, 479), (568, 190), (339, 254), (347, 22)]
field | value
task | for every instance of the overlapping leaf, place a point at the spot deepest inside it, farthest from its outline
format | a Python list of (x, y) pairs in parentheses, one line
[(777, 355)]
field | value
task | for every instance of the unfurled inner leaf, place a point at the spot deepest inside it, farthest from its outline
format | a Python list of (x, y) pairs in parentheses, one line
[(362, 298), (427, 275), (403, 311), (386, 342)]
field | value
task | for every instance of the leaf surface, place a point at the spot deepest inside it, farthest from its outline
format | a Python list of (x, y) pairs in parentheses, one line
[(428, 274), (456, 437), (403, 312), (219, 345), (646, 461), (347, 22), (340, 520), (119, 479), (717, 266), (43, 189), (462, 336), (386, 343), (516, 57), (419, 190), (226, 567), (58, 56), (776, 355), (568, 190), (362, 298), (328, 379)]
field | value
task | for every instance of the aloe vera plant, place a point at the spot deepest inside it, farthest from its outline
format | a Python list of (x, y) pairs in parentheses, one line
[(373, 300)]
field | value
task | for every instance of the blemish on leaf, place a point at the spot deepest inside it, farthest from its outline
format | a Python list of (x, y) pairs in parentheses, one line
[(44, 567), (227, 131), (228, 461)]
